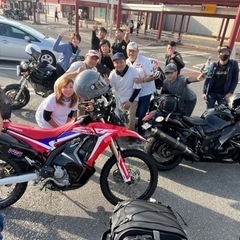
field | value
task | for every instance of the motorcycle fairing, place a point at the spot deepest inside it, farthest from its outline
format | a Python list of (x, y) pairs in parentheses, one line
[(229, 132)]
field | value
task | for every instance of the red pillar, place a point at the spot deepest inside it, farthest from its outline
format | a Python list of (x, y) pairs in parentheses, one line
[(188, 20), (76, 17), (235, 29), (34, 11), (181, 29), (160, 25), (119, 13), (220, 30), (174, 23), (224, 32), (238, 35)]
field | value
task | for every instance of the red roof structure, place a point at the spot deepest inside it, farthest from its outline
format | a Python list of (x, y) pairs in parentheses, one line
[(227, 3)]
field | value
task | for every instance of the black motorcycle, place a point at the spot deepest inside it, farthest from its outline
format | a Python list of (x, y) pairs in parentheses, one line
[(213, 137), (40, 75)]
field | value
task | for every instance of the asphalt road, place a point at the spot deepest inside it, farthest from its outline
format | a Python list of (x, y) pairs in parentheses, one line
[(206, 195)]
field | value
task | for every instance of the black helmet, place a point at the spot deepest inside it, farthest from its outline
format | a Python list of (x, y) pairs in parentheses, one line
[(89, 85), (33, 50)]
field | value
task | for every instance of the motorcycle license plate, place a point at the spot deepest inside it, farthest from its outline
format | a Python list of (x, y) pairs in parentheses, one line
[(146, 126)]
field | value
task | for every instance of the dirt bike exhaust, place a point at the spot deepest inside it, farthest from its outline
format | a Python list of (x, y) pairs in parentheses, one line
[(174, 143), (19, 179)]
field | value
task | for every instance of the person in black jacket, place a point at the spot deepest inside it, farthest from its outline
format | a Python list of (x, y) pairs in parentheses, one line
[(97, 39), (173, 56), (222, 80)]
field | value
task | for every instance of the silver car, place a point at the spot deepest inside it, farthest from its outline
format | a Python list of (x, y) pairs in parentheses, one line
[(15, 36)]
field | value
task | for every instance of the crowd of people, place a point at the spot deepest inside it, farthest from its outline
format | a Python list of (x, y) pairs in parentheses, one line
[(132, 77)]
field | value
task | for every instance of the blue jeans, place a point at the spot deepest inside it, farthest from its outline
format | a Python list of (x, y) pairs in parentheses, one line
[(143, 105), (215, 97)]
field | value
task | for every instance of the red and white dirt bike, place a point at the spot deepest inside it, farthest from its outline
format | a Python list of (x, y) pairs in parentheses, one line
[(64, 158)]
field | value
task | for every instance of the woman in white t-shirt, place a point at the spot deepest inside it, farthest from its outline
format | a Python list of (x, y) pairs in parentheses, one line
[(59, 107)]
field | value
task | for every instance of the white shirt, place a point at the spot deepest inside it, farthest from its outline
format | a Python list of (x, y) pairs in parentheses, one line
[(59, 112), (144, 67), (125, 85)]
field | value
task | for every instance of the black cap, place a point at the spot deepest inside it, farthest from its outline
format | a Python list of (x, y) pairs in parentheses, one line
[(225, 47), (171, 67), (118, 55)]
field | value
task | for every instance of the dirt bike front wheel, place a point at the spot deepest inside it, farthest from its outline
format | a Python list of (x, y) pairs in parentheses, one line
[(10, 193), (11, 90), (162, 153), (144, 177)]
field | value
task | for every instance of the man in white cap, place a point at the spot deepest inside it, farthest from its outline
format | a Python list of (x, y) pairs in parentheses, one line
[(145, 69), (90, 62)]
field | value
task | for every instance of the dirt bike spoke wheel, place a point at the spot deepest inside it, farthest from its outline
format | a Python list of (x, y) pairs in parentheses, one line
[(162, 153), (144, 177), (10, 193)]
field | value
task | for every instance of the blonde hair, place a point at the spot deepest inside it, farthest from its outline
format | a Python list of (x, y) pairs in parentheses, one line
[(61, 83)]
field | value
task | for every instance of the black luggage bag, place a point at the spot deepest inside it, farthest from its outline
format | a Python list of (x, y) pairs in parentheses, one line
[(143, 220)]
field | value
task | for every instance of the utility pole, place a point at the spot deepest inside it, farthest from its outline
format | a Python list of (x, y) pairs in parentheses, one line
[(34, 10), (111, 19), (45, 11), (76, 16)]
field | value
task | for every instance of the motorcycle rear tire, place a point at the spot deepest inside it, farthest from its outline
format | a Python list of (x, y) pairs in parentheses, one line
[(14, 191), (158, 150), (113, 186), (11, 91)]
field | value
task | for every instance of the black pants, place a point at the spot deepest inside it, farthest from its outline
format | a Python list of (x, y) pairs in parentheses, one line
[(189, 107), (59, 70)]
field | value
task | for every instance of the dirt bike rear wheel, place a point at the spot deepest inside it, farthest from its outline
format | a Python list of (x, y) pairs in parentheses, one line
[(10, 193), (12, 90), (143, 172), (162, 153)]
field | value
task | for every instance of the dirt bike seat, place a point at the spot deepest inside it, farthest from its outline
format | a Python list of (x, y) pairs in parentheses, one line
[(35, 132)]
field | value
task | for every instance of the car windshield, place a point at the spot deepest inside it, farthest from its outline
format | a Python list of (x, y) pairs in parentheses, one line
[(32, 31)]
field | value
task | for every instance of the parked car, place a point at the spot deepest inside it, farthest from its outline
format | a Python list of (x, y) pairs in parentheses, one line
[(2, 17), (15, 36)]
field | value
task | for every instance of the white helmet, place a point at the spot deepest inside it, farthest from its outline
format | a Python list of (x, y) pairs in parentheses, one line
[(33, 50), (89, 84)]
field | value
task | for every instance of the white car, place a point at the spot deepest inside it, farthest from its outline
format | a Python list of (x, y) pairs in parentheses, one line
[(15, 36)]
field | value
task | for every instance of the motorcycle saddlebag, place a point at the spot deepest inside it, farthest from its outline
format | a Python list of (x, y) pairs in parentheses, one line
[(141, 219)]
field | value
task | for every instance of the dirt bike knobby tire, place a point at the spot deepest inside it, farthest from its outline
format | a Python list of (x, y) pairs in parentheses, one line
[(19, 188), (135, 154)]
